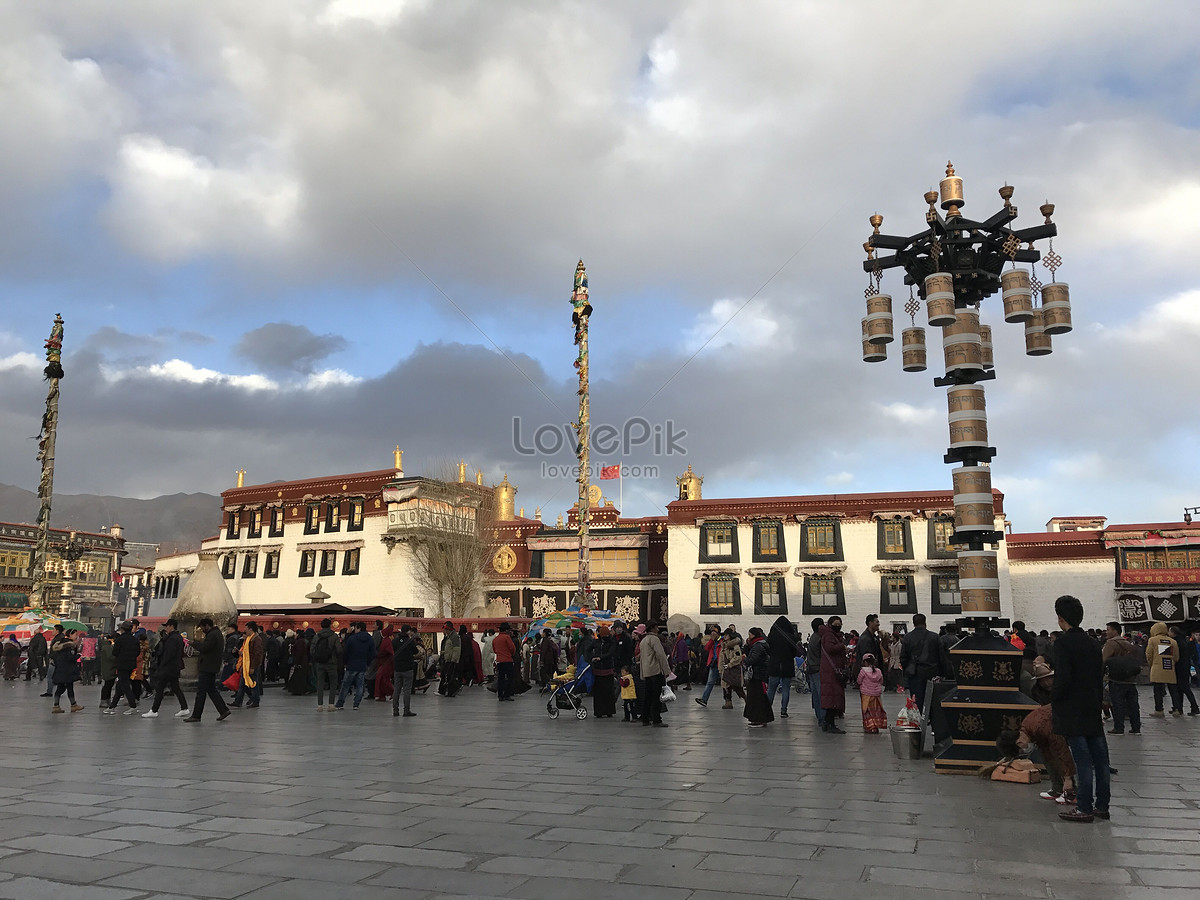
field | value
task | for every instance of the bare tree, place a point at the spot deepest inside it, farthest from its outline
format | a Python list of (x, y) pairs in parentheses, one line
[(449, 541)]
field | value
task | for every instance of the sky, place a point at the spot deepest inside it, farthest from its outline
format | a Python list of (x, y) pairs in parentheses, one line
[(288, 236)]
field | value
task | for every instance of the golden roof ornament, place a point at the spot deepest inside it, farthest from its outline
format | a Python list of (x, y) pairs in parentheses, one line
[(951, 189)]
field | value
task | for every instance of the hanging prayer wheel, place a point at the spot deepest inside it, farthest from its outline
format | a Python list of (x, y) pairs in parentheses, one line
[(939, 298), (1037, 342), (961, 344), (914, 349), (1018, 295), (979, 581), (968, 417), (985, 347), (878, 328), (1056, 308), (872, 352)]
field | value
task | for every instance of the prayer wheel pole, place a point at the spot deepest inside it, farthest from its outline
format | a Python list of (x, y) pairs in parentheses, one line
[(45, 455), (581, 312), (953, 265)]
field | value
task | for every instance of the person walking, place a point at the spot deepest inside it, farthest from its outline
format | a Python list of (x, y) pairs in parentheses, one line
[(868, 643), (870, 690), (783, 643), (757, 711), (732, 679), (812, 668), (1163, 655), (654, 668), (65, 651), (126, 650), (547, 658), (325, 653), (448, 664), (604, 691), (38, 655), (385, 667), (166, 676), (357, 654), (1077, 699), (108, 668), (1122, 666), (12, 658), (251, 656), (681, 661), (489, 655), (834, 674), (404, 669), (1183, 671), (711, 650), (504, 651), (48, 690), (209, 654)]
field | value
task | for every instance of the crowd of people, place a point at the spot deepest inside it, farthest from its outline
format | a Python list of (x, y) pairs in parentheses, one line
[(1077, 678)]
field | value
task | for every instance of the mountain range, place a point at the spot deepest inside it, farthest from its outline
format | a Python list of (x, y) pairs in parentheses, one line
[(175, 522)]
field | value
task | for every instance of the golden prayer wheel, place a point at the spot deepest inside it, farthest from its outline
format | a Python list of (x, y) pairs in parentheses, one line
[(979, 581), (878, 324), (968, 417), (951, 189), (939, 298), (1037, 342), (872, 352), (961, 343), (1018, 295), (914, 349), (1056, 308), (973, 480), (985, 347), (973, 509)]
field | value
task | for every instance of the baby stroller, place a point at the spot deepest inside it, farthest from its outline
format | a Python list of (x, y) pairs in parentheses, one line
[(563, 695)]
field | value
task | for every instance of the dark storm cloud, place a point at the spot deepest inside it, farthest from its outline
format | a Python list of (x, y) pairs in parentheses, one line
[(283, 347)]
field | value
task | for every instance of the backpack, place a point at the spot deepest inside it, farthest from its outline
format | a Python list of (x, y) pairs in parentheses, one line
[(1124, 667), (322, 651)]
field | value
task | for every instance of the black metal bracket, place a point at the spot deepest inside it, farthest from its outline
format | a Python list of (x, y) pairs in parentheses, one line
[(965, 376), (970, 455)]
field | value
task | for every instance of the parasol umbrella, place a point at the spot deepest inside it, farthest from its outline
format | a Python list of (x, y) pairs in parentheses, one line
[(24, 624)]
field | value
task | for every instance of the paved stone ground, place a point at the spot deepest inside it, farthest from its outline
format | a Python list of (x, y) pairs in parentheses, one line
[(474, 798)]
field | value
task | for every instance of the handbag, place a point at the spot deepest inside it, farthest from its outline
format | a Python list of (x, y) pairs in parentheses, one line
[(841, 673), (667, 695), (1017, 773), (732, 676)]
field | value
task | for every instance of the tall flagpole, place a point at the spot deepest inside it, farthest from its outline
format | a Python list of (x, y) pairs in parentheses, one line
[(582, 310), (53, 373)]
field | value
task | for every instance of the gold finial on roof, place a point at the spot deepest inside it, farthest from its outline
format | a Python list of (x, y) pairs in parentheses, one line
[(241, 477), (399, 460)]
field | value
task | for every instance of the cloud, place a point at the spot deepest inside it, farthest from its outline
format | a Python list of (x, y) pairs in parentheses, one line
[(178, 370), (283, 347), (734, 323)]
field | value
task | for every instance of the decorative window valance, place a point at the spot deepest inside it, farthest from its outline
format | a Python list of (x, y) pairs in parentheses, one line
[(329, 545)]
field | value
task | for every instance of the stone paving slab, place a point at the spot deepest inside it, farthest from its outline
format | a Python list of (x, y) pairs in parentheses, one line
[(478, 799)]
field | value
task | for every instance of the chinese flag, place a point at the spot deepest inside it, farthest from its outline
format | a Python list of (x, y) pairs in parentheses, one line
[(607, 473)]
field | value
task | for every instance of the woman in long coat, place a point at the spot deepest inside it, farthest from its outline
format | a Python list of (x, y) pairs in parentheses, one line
[(298, 681), (833, 670), (385, 667), (65, 653), (604, 691), (758, 662), (12, 658)]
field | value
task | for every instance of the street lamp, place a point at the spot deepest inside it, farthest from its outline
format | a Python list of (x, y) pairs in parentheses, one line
[(1188, 512), (953, 265)]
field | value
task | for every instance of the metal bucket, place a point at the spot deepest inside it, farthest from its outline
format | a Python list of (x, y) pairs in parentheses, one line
[(906, 742)]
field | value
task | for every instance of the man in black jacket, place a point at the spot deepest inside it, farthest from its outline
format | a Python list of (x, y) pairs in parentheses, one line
[(170, 664), (125, 655), (1076, 702), (921, 657), (404, 662), (784, 644), (209, 653), (39, 656)]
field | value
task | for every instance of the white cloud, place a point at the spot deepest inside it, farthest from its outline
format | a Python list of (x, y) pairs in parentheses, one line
[(21, 360), (173, 205), (330, 378), (839, 479), (726, 323), (908, 414), (179, 370)]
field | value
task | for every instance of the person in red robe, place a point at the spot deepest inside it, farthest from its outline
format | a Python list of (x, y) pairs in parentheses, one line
[(384, 667)]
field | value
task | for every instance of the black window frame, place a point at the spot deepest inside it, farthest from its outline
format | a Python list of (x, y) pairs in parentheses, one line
[(233, 527), (353, 553), (358, 506), (881, 551), (936, 606), (255, 525), (333, 508), (734, 610), (838, 609), (250, 565), (705, 556), (757, 554), (270, 571), (276, 527), (806, 555), (309, 557), (331, 568), (931, 551), (312, 518), (228, 566), (910, 605), (762, 610)]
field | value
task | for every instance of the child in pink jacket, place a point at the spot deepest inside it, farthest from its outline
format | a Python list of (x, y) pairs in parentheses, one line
[(870, 689)]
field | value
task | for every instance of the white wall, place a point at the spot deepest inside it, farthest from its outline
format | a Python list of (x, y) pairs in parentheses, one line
[(1036, 585)]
